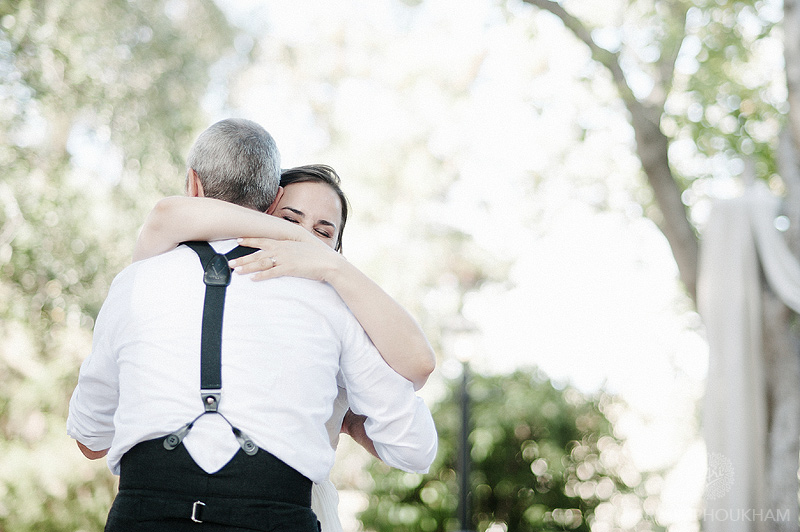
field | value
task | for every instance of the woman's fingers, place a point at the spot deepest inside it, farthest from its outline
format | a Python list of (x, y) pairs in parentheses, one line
[(267, 274), (265, 245), (255, 262), (279, 258)]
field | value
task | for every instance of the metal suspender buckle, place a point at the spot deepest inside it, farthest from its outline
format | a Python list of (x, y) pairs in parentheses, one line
[(211, 399), (197, 511)]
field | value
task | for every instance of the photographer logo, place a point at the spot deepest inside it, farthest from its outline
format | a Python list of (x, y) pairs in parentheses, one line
[(719, 477)]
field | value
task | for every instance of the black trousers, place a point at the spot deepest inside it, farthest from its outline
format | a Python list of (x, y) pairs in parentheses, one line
[(165, 491)]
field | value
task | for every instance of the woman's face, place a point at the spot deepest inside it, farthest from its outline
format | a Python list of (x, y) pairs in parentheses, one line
[(313, 205)]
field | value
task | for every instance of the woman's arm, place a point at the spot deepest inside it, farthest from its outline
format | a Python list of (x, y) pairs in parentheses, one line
[(94, 455), (395, 333), (176, 219)]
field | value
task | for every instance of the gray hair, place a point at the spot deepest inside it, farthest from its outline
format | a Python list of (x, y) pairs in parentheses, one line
[(237, 161)]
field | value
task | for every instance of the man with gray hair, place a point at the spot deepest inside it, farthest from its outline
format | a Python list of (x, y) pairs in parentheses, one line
[(150, 395), (237, 161)]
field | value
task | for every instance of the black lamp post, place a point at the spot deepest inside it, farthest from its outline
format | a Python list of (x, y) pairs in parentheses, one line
[(464, 512), (461, 338)]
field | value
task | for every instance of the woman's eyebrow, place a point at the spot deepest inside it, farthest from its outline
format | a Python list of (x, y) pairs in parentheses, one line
[(298, 212), (326, 222)]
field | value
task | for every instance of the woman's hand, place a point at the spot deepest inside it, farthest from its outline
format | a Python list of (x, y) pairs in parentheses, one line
[(90, 454), (309, 260), (353, 426)]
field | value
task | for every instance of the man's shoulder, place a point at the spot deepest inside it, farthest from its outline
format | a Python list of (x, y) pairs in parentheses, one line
[(179, 258), (176, 255)]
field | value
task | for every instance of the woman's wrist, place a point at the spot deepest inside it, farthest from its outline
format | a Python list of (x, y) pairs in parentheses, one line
[(294, 231), (334, 268)]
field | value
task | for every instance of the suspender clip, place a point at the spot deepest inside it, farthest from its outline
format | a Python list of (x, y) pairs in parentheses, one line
[(247, 445), (175, 439)]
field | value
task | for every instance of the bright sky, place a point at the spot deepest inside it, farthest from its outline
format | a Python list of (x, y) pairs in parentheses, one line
[(593, 298)]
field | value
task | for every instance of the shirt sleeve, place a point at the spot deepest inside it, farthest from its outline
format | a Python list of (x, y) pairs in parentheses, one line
[(95, 398), (398, 422)]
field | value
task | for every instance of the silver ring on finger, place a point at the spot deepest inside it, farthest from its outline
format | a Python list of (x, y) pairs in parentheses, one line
[(274, 262)]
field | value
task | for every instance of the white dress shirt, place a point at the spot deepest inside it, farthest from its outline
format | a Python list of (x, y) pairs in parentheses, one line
[(284, 342)]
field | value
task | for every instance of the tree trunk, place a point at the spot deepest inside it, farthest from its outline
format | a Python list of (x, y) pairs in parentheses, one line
[(783, 403), (781, 346), (791, 53), (652, 147)]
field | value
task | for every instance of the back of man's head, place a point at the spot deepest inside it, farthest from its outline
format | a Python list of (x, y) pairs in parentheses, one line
[(237, 161)]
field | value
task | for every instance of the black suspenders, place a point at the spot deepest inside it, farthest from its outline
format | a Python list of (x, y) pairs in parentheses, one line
[(217, 277)]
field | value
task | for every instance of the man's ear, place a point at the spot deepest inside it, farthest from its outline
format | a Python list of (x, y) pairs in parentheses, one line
[(194, 188), (274, 204)]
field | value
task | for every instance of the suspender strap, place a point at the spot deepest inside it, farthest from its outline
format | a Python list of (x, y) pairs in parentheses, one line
[(217, 277), (239, 251)]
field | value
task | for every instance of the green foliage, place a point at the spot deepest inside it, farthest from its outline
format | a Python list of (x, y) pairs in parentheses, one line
[(716, 76), (121, 78), (737, 105), (99, 102), (710, 74), (543, 458)]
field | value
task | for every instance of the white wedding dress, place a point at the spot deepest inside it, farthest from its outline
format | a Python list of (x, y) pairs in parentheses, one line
[(324, 497)]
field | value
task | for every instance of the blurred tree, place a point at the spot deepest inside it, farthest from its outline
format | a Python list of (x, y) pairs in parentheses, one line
[(99, 102), (709, 72), (543, 458), (373, 109)]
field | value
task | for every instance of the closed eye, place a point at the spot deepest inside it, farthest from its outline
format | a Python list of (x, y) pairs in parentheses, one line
[(293, 215), (329, 225)]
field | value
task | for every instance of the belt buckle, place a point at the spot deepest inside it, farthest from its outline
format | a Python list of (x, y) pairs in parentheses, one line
[(197, 509)]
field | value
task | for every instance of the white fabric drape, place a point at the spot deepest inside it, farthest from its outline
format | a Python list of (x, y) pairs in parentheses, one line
[(325, 503), (740, 235)]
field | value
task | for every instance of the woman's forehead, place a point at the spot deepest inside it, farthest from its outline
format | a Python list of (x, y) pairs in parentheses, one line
[(313, 196)]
